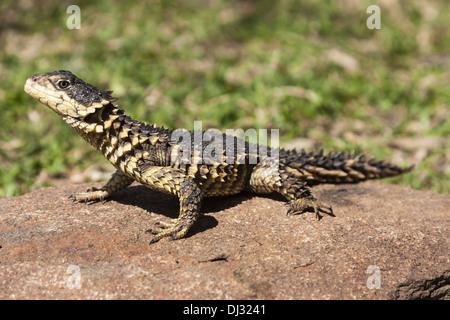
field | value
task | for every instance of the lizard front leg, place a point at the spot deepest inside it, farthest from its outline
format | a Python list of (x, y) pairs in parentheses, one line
[(118, 181), (174, 181)]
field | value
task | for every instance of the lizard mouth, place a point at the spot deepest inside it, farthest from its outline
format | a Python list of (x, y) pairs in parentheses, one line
[(34, 88), (31, 88), (39, 88)]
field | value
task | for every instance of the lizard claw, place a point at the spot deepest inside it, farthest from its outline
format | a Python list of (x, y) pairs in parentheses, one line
[(73, 197), (301, 205), (175, 229)]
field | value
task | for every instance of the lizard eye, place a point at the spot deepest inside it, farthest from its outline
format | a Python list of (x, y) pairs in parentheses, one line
[(63, 84)]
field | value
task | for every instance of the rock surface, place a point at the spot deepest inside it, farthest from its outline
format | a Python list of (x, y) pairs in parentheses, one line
[(386, 242)]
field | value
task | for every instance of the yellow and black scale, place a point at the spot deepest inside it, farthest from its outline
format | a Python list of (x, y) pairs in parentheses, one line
[(145, 153)]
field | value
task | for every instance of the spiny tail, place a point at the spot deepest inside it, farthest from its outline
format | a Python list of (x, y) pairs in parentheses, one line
[(336, 168)]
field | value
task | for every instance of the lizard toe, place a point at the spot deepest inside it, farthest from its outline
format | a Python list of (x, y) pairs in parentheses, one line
[(175, 229), (301, 205)]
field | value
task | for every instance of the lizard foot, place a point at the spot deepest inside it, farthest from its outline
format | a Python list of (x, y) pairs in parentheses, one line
[(175, 229), (90, 194), (301, 205)]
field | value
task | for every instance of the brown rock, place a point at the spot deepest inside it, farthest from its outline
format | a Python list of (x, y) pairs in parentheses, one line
[(386, 242)]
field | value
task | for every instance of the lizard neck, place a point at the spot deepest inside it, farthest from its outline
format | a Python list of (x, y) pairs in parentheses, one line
[(95, 127), (122, 139)]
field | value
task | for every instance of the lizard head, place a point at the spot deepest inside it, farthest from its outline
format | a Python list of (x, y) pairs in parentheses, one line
[(66, 94)]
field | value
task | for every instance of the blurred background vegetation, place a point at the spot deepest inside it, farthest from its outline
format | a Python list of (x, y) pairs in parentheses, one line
[(311, 69)]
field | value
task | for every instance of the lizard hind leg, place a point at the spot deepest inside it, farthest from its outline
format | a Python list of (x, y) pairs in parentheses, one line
[(266, 179)]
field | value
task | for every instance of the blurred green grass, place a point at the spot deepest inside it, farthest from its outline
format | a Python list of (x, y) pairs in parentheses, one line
[(309, 68)]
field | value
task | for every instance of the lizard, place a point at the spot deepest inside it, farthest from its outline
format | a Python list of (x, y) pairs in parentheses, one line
[(145, 153)]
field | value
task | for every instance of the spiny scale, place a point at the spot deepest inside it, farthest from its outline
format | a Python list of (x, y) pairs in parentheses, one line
[(143, 153), (337, 168)]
